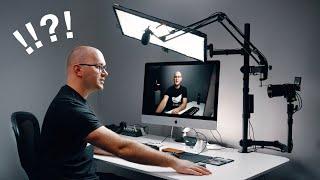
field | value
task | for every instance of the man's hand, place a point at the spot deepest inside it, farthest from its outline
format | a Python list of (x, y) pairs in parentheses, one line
[(175, 111), (187, 167)]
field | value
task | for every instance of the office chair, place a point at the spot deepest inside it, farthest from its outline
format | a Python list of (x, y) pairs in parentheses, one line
[(27, 132)]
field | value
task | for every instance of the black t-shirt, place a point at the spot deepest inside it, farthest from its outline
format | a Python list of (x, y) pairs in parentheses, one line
[(68, 121), (175, 97)]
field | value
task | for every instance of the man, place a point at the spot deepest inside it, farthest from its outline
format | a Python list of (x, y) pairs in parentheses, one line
[(69, 125), (175, 97)]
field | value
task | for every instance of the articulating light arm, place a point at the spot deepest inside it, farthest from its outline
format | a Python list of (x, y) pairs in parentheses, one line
[(221, 17)]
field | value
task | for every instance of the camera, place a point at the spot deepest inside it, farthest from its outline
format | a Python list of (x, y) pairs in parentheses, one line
[(286, 90)]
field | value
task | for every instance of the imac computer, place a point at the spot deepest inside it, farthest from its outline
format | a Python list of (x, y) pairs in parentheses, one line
[(181, 94)]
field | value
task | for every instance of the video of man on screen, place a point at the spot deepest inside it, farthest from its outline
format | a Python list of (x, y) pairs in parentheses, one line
[(180, 90)]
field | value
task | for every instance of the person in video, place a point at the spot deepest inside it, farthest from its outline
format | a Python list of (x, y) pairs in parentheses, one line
[(175, 97), (70, 124)]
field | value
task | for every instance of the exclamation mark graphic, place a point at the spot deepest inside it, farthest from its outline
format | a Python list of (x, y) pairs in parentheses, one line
[(34, 35), (19, 37), (67, 18)]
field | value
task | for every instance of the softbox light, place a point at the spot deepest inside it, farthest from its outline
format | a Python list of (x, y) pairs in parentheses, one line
[(134, 24)]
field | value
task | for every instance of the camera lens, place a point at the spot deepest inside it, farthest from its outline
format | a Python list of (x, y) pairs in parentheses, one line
[(275, 90)]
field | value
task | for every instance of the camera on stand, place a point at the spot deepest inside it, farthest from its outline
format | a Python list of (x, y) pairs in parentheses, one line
[(286, 90), (289, 91)]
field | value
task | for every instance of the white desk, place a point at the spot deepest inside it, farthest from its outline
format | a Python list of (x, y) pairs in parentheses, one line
[(244, 166)]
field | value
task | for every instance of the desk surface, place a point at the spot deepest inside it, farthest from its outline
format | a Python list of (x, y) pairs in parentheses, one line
[(244, 166)]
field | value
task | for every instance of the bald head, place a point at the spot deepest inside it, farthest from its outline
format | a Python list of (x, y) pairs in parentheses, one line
[(81, 54), (177, 73), (86, 70), (177, 78)]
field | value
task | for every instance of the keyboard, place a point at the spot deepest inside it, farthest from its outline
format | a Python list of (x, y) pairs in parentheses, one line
[(193, 157), (191, 111), (196, 158)]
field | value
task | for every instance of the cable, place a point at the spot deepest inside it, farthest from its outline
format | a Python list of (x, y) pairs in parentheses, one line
[(270, 148), (171, 131), (249, 128), (167, 136), (221, 142), (299, 101), (206, 140), (253, 138), (214, 136), (220, 136), (164, 139), (218, 140)]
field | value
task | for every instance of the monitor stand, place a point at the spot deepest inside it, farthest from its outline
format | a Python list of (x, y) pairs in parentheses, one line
[(182, 138)]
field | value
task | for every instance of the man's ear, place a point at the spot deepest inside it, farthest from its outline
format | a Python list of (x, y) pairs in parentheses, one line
[(77, 70)]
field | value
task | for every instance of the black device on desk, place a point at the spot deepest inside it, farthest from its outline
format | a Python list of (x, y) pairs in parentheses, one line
[(125, 130), (132, 131), (191, 111), (117, 128)]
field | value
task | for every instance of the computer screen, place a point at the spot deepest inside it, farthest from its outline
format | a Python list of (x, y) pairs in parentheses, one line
[(183, 94)]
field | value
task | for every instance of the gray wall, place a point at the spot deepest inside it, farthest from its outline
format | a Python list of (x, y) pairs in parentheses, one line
[(285, 31), (29, 82)]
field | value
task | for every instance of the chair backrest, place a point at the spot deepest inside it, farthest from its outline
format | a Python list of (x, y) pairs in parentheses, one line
[(27, 131)]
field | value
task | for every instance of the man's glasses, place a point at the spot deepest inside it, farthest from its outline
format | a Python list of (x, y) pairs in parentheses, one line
[(98, 66)]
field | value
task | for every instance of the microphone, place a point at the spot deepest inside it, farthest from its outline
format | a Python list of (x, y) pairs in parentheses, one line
[(146, 36)]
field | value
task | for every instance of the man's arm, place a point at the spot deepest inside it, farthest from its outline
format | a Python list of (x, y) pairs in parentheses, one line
[(182, 106), (100, 151), (139, 153), (162, 104)]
